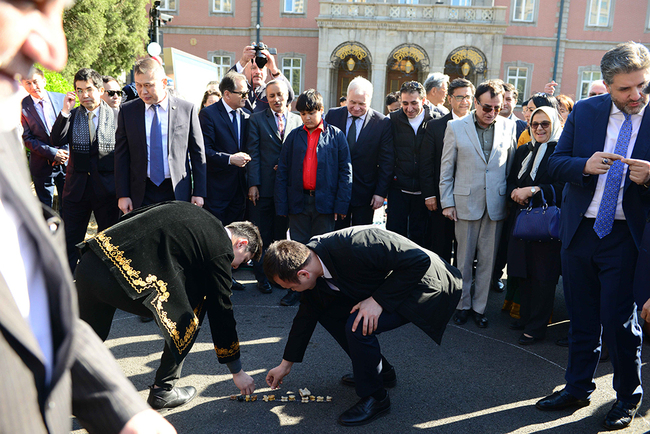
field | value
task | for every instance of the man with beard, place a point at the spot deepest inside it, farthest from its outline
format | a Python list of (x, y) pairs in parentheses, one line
[(602, 156)]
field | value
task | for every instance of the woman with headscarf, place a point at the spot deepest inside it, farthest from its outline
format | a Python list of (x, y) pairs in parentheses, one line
[(536, 264)]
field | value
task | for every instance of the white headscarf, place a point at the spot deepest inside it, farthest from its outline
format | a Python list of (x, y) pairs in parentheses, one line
[(556, 132)]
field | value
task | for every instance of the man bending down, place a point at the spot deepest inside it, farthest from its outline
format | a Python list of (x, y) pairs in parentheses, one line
[(363, 281)]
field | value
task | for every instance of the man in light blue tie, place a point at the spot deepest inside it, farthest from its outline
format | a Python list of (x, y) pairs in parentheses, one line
[(603, 156), (47, 161)]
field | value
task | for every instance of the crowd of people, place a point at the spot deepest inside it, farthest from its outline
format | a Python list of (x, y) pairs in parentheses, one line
[(171, 186)]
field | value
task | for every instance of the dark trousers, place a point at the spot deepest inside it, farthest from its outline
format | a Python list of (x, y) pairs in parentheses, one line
[(158, 193), (440, 235), (407, 215), (272, 228), (309, 222), (536, 301), (597, 277), (77, 217), (227, 211), (44, 187), (356, 216), (365, 352), (100, 295)]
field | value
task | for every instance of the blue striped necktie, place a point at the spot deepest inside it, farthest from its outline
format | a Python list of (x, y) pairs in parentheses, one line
[(156, 164)]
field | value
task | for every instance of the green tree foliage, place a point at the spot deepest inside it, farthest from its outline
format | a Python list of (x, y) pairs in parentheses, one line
[(56, 82), (106, 35)]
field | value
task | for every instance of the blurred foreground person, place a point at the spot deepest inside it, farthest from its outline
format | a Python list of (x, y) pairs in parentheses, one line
[(53, 365)]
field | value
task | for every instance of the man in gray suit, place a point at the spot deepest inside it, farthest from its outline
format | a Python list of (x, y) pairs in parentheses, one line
[(266, 133), (47, 162), (476, 159), (157, 137), (49, 357)]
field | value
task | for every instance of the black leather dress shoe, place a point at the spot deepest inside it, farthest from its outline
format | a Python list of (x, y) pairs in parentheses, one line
[(480, 320), (561, 400), (621, 415), (497, 286), (162, 398), (562, 342), (460, 317), (365, 411), (527, 340), (292, 298), (237, 286), (389, 378), (264, 287), (146, 318), (516, 325)]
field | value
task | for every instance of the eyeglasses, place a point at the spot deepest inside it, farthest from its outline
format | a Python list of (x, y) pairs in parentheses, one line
[(489, 108), (112, 93), (543, 124), (461, 98), (242, 93)]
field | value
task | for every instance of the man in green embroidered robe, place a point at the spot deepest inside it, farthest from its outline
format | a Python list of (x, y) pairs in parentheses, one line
[(171, 261)]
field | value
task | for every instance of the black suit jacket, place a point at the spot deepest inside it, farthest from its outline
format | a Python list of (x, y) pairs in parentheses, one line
[(400, 275), (37, 138), (186, 154), (86, 380), (372, 155), (224, 180), (430, 156), (101, 174), (264, 145)]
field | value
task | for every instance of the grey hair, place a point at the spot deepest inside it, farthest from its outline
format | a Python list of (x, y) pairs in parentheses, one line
[(436, 79), (624, 58), (360, 85)]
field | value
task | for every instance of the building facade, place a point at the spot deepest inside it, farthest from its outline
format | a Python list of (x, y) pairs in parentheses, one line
[(324, 44)]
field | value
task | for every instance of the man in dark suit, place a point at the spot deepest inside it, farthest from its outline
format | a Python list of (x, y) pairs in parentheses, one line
[(439, 235), (266, 133), (46, 161), (159, 152), (90, 184), (364, 281), (603, 157), (224, 125), (407, 214), (49, 357), (186, 256), (257, 98), (370, 141)]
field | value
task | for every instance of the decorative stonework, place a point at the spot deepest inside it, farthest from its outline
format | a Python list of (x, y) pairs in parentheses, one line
[(470, 15), (336, 9), (409, 51), (353, 11), (453, 14), (488, 15), (369, 11), (394, 12), (410, 12), (427, 13), (351, 50)]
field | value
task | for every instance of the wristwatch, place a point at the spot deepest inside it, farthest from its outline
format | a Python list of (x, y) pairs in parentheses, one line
[(533, 190)]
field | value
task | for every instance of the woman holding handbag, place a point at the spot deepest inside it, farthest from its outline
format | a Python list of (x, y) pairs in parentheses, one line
[(536, 263)]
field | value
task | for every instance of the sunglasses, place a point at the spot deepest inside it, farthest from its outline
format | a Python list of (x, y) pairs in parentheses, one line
[(543, 124), (488, 108), (461, 98), (242, 93), (112, 93)]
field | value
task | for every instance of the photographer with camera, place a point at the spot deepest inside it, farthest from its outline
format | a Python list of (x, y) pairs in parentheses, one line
[(256, 63)]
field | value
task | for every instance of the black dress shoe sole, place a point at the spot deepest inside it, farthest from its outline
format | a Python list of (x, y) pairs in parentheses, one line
[(367, 421)]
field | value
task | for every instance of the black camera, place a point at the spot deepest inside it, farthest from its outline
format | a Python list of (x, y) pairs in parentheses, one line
[(260, 58)]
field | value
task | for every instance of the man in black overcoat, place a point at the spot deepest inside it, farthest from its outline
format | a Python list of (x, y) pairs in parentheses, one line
[(363, 281), (171, 261)]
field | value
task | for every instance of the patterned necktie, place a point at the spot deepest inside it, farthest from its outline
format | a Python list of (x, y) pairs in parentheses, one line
[(352, 133), (91, 126), (156, 164), (236, 126), (607, 210), (47, 124), (280, 125)]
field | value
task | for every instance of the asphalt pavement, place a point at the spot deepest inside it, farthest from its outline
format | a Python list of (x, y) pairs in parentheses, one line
[(477, 381)]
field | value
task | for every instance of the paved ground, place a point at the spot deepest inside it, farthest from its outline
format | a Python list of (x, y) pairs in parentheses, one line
[(477, 381)]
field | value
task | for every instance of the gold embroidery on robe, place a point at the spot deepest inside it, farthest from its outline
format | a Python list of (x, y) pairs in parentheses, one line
[(132, 276), (223, 353)]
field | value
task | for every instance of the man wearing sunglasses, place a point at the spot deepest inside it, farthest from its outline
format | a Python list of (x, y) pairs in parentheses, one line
[(112, 92), (476, 159)]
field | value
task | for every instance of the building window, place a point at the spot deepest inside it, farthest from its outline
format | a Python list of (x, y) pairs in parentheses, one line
[(599, 11), (523, 10), (223, 63), (292, 69), (461, 3), (408, 2), (221, 6), (294, 6), (585, 80), (167, 5), (518, 77)]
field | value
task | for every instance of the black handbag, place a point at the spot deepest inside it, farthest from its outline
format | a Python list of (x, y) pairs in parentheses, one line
[(540, 223)]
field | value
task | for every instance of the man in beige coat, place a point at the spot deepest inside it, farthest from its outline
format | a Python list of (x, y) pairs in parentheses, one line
[(476, 159)]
